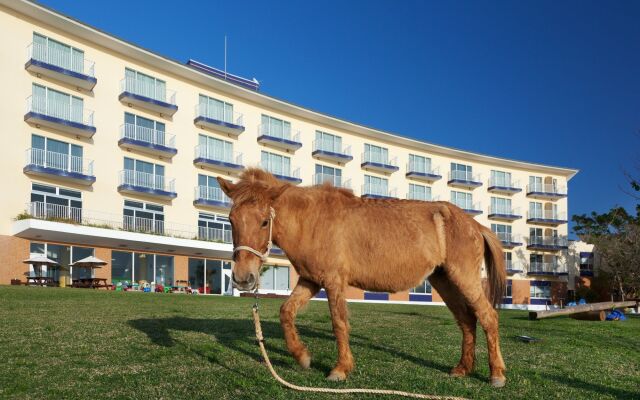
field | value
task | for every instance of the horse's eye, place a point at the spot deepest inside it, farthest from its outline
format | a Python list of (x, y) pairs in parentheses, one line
[(265, 223)]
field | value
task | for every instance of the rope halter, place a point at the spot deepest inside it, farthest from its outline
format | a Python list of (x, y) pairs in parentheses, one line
[(262, 256)]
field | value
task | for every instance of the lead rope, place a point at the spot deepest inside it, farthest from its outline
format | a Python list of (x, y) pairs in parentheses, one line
[(260, 338)]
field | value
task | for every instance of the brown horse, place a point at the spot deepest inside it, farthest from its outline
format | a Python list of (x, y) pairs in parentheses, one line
[(335, 239)]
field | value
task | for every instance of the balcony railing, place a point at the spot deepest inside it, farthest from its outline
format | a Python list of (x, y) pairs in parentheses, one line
[(211, 193), (547, 189), (331, 146), (60, 110), (99, 219), (218, 154), (548, 241), (549, 215), (508, 238), (147, 135), (378, 158), (214, 235), (280, 172), (370, 189), (422, 196), (284, 134), (503, 210), (422, 168), (511, 265), (547, 268), (337, 181), (504, 183), (59, 161), (148, 89), (59, 58), (145, 180), (216, 114), (469, 206), (464, 176)]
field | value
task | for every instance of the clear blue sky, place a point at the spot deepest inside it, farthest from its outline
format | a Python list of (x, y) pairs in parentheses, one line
[(553, 82)]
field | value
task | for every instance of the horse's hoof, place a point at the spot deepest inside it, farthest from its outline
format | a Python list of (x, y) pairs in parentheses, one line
[(498, 382), (304, 361), (458, 372), (337, 376)]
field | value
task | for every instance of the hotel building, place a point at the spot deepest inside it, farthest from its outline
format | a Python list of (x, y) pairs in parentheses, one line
[(113, 151)]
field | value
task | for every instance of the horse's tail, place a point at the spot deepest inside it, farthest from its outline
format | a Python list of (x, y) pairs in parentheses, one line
[(494, 263)]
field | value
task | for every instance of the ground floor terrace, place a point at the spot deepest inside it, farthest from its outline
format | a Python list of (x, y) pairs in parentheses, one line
[(134, 259)]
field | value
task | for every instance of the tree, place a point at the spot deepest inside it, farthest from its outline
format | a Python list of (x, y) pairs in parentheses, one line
[(616, 238)]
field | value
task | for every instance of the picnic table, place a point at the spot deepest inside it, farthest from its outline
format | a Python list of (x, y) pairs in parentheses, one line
[(40, 281), (91, 283)]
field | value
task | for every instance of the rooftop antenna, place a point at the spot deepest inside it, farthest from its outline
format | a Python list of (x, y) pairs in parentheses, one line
[(225, 57)]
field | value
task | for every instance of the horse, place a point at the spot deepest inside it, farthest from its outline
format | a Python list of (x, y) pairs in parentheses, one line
[(335, 239)]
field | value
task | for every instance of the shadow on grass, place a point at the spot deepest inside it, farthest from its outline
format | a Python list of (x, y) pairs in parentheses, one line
[(238, 335), (593, 387)]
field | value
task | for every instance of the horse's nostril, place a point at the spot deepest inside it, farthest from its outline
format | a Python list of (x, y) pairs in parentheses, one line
[(251, 279)]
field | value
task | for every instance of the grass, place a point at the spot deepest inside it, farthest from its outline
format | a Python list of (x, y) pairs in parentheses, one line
[(78, 343)]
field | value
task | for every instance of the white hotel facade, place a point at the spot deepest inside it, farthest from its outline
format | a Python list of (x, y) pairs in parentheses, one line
[(113, 151)]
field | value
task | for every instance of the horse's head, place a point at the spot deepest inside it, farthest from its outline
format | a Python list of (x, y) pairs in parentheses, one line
[(252, 222)]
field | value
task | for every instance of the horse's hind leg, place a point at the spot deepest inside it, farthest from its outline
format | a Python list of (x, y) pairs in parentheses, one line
[(300, 296), (340, 321), (464, 316)]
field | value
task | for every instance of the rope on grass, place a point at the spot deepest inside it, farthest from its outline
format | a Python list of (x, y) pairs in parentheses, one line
[(260, 337)]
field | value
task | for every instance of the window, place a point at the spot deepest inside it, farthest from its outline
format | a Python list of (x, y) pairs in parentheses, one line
[(58, 253), (376, 154), (540, 290), (276, 164), (215, 149), (376, 186), (508, 262), (216, 109), (209, 276), (274, 278), (462, 200), (328, 142), (535, 184), (502, 231), (145, 85), (55, 202), (586, 261), (121, 267), (56, 154), (500, 178), (419, 164), (276, 127), (142, 173), (196, 274), (77, 254), (535, 209), (143, 129), (214, 227), (328, 174), (461, 172), (163, 270), (501, 205), (143, 217), (419, 192), (423, 288), (143, 267), (56, 53), (56, 104), (508, 292)]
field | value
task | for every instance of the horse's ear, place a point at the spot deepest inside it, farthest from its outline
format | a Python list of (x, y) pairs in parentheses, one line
[(275, 192), (227, 186)]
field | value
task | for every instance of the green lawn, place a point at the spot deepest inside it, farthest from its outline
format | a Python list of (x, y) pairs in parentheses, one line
[(78, 343)]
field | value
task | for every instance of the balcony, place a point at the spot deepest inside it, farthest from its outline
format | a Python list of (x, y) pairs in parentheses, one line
[(547, 268), (206, 118), (277, 251), (283, 174), (464, 179), (549, 243), (504, 186), (513, 267), (422, 196), (470, 208), (371, 191), (546, 191), (422, 172), (328, 151), (141, 183), (44, 60), (62, 167), (60, 116), (509, 240), (546, 217), (280, 139), (150, 97), (377, 162), (97, 228), (212, 197), (147, 140), (504, 213), (218, 159), (336, 181), (214, 235)]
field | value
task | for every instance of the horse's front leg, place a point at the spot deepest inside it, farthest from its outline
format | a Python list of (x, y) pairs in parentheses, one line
[(300, 296), (340, 320)]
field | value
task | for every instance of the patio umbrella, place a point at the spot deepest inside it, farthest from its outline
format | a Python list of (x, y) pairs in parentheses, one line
[(89, 262), (38, 260)]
